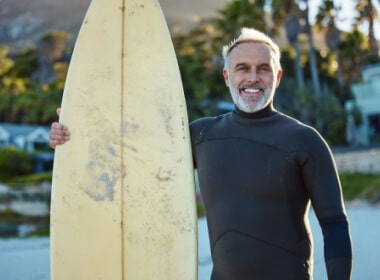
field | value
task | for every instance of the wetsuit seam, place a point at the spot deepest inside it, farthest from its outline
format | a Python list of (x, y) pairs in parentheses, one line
[(314, 171), (256, 238), (246, 139)]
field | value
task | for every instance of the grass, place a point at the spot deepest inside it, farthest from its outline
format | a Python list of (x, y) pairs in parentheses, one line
[(361, 186), (32, 178), (11, 217)]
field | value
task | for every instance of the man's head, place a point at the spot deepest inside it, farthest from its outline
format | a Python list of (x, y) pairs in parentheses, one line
[(252, 70)]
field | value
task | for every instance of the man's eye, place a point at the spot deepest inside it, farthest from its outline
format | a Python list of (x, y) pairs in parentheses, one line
[(264, 69), (242, 68)]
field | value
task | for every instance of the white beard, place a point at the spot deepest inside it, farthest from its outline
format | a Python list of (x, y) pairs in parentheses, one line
[(250, 105)]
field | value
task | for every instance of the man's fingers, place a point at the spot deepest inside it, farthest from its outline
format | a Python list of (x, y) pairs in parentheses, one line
[(59, 134)]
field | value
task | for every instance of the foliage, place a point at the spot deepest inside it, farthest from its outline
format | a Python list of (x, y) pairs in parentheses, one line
[(31, 86), (31, 81), (32, 107), (201, 68), (5, 62), (10, 216), (43, 228), (360, 186), (53, 45), (25, 63), (14, 163), (353, 51), (30, 178), (10, 219), (240, 13)]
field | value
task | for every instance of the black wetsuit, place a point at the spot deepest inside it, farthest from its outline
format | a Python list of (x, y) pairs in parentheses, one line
[(258, 173)]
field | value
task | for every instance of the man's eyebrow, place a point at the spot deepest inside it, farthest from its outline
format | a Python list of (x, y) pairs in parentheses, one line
[(263, 64), (241, 64)]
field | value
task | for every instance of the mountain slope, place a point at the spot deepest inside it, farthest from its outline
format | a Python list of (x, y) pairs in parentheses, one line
[(23, 22)]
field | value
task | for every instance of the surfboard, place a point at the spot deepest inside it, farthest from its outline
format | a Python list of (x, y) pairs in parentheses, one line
[(123, 197)]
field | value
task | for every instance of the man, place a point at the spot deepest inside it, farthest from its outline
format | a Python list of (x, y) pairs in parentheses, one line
[(259, 171)]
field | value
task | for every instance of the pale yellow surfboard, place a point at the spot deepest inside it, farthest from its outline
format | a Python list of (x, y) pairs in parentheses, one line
[(123, 198)]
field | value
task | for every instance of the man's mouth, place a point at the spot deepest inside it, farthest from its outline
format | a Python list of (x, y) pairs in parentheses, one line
[(251, 89)]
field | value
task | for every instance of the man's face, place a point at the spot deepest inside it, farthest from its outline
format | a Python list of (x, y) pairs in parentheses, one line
[(251, 76)]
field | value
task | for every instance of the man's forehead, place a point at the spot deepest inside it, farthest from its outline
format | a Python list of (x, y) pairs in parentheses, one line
[(251, 51), (250, 47)]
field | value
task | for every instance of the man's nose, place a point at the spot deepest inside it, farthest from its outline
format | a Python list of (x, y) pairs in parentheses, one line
[(253, 77)]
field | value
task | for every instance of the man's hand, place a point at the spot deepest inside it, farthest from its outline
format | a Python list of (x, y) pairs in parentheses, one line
[(59, 133)]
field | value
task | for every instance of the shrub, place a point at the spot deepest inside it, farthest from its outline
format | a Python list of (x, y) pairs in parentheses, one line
[(360, 186), (14, 163)]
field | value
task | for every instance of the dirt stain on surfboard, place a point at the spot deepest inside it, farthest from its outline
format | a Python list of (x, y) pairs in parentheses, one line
[(105, 172)]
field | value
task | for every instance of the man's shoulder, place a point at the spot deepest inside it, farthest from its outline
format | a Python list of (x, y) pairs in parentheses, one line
[(200, 127), (207, 121), (301, 133), (295, 124)]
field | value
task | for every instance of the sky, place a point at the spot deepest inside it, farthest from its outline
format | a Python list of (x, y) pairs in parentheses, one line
[(347, 15)]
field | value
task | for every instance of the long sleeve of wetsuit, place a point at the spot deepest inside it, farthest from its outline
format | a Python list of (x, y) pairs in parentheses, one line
[(324, 187), (338, 249)]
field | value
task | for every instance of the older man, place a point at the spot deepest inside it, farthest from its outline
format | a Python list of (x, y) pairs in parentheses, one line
[(259, 172)]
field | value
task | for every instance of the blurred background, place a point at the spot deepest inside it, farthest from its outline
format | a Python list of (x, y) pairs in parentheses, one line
[(331, 64)]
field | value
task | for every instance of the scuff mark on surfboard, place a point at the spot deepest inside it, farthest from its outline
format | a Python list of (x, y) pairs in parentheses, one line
[(167, 118), (129, 128), (134, 9), (164, 175)]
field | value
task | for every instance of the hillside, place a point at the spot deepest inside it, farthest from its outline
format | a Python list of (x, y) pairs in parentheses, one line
[(23, 22)]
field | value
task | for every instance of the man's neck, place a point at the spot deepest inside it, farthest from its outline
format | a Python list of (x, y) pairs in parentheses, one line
[(265, 112)]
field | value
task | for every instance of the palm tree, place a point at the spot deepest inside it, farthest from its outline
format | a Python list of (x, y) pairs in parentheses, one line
[(367, 12), (287, 12), (239, 13), (328, 13)]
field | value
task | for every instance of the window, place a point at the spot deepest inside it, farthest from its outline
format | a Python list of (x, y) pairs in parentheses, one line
[(374, 128)]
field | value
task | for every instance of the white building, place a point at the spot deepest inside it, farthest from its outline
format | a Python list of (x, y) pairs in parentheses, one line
[(24, 137), (367, 99)]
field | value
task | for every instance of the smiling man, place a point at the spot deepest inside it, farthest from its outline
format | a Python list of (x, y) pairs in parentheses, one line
[(259, 172), (254, 74)]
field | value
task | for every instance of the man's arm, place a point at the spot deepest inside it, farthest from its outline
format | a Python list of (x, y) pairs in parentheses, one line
[(338, 248), (323, 186)]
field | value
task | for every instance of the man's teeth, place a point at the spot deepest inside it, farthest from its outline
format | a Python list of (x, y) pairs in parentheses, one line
[(252, 90)]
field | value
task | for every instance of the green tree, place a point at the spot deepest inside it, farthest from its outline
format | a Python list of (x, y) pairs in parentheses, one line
[(367, 12), (239, 13), (289, 13), (201, 68), (326, 18), (25, 63), (353, 51), (199, 53), (5, 62), (51, 49), (14, 163)]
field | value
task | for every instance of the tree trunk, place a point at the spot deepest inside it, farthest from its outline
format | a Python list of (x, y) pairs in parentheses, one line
[(371, 33), (292, 27)]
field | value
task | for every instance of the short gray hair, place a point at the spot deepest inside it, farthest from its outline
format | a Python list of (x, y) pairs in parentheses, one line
[(252, 35)]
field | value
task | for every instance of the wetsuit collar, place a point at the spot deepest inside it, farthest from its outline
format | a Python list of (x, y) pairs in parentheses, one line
[(265, 112)]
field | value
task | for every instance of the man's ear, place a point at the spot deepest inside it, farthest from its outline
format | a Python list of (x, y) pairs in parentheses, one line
[(226, 78), (279, 75)]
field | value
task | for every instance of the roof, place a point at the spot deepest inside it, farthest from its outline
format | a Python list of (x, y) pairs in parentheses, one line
[(22, 129)]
